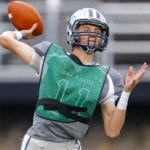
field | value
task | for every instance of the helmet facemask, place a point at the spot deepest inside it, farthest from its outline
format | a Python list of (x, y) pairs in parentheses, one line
[(82, 17), (88, 47)]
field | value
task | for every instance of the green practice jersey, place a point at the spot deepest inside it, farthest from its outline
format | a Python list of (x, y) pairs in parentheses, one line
[(68, 91)]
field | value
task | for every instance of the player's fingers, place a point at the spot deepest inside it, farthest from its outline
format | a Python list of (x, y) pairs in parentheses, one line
[(140, 74), (142, 70), (130, 71), (34, 26), (143, 67)]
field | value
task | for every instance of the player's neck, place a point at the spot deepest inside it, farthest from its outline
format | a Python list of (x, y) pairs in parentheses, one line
[(83, 56)]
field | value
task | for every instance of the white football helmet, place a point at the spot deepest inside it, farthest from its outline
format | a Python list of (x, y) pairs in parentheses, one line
[(87, 16)]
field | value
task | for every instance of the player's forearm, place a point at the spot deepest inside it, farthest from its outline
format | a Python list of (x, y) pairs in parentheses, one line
[(114, 118), (8, 40), (115, 123)]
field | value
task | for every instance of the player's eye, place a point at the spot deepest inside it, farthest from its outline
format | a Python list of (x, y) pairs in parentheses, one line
[(98, 32), (85, 30)]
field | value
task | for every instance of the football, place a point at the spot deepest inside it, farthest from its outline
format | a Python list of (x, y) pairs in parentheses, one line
[(23, 15)]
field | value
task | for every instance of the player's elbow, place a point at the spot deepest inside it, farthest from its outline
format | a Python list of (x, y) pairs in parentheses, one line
[(4, 40), (112, 134)]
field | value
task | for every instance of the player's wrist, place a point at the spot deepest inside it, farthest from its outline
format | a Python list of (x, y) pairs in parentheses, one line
[(123, 101), (18, 35)]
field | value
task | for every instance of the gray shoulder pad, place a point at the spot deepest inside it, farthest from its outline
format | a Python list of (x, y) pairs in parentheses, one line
[(41, 48), (117, 83)]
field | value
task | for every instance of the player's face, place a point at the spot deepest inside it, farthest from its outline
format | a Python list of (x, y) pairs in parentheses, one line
[(92, 36)]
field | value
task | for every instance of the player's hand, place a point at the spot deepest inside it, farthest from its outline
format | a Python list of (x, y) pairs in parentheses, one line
[(132, 79), (28, 34)]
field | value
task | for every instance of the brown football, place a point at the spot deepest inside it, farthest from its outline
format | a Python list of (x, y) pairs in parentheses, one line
[(23, 15)]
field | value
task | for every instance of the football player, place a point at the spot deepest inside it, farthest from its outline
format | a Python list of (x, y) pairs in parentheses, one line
[(73, 84)]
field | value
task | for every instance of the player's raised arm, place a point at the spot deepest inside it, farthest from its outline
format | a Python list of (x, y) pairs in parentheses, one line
[(29, 24), (9, 40), (114, 117)]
